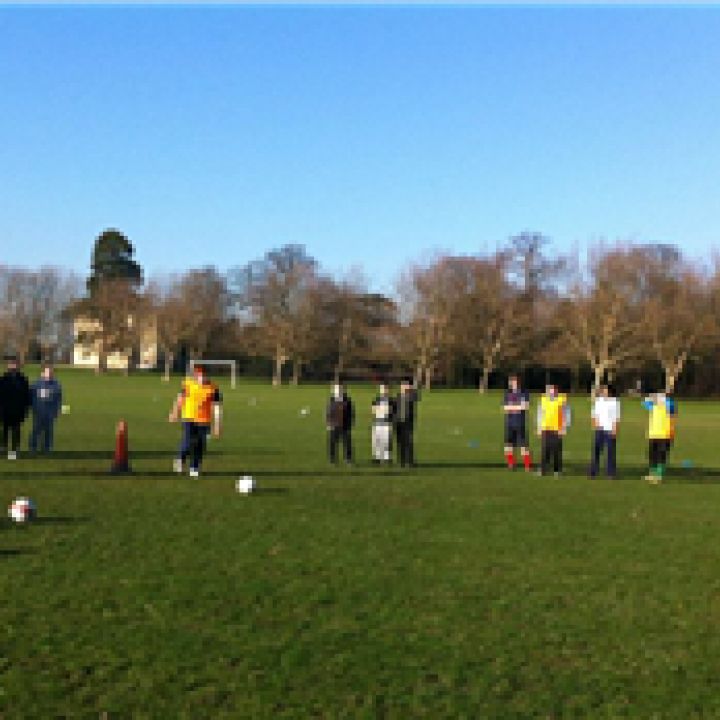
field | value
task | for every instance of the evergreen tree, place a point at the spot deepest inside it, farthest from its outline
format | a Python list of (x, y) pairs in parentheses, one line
[(112, 259)]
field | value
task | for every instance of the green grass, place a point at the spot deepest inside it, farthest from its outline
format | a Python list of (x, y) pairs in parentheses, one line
[(455, 590)]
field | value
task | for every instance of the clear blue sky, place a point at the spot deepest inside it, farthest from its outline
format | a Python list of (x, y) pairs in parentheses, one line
[(371, 135)]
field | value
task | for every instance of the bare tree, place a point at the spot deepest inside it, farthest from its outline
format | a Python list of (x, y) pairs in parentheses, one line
[(34, 306), (270, 295), (492, 321), (676, 309), (599, 322)]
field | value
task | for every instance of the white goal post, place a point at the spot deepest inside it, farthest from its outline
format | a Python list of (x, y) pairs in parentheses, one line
[(208, 363)]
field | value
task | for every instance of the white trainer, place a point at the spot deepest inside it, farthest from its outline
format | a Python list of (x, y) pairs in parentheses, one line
[(194, 473), (177, 465)]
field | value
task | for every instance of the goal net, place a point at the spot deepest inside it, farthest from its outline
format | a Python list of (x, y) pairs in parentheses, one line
[(231, 364)]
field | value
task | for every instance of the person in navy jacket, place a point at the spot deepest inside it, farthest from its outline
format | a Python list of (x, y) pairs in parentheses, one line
[(46, 394)]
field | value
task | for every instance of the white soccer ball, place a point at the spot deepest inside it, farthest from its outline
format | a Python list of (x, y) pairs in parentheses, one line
[(22, 510), (304, 411), (245, 484)]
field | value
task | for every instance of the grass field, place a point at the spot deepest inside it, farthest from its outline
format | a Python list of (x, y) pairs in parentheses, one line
[(454, 590)]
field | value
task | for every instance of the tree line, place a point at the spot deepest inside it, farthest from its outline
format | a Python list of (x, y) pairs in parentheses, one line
[(621, 313)]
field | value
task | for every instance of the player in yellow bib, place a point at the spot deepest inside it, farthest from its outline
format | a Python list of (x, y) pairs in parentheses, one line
[(198, 407), (553, 420), (661, 433)]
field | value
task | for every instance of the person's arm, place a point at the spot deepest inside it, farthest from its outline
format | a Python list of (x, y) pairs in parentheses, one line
[(176, 409), (648, 403), (217, 414), (57, 403), (616, 423), (328, 414), (594, 416), (539, 418), (567, 418)]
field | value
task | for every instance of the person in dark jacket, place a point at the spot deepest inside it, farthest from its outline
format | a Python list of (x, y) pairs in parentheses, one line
[(405, 412), (14, 406), (339, 419), (46, 394)]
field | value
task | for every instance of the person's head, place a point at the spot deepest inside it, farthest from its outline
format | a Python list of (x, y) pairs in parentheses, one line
[(337, 390), (46, 372), (383, 389), (12, 362), (514, 383), (603, 391), (551, 389), (405, 385), (199, 373)]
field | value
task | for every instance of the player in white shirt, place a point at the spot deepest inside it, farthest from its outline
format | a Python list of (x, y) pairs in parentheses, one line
[(605, 421)]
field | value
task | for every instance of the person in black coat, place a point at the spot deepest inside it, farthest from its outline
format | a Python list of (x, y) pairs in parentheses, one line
[(15, 402), (339, 420), (405, 414)]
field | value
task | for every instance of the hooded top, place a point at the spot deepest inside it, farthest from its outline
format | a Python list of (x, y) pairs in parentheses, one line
[(15, 398)]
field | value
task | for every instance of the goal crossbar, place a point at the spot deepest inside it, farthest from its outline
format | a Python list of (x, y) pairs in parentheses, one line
[(231, 363)]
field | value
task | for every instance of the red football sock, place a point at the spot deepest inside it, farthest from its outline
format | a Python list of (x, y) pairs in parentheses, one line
[(510, 458), (526, 460)]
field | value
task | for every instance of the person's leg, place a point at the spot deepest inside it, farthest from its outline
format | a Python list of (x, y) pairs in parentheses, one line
[(35, 433), (558, 462), (332, 445), (387, 443), (662, 457), (15, 436), (596, 453), (652, 455), (375, 443), (411, 446), (185, 440), (5, 430), (347, 445), (611, 465), (509, 447), (545, 452), (403, 444), (198, 434)]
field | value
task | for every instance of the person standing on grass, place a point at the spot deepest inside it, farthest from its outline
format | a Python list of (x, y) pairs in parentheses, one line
[(339, 421), (605, 421), (405, 412), (15, 401), (199, 408), (46, 395), (553, 421), (515, 406), (383, 410), (661, 432)]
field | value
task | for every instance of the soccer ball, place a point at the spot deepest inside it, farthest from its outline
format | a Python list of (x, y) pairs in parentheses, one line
[(22, 510), (245, 484)]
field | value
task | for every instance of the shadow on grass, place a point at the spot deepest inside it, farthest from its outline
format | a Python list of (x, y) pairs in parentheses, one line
[(60, 520), (100, 454), (14, 552)]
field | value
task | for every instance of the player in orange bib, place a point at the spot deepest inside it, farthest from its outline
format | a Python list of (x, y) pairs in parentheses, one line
[(198, 407)]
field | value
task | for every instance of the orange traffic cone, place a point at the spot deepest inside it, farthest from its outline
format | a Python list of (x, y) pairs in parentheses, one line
[(121, 461)]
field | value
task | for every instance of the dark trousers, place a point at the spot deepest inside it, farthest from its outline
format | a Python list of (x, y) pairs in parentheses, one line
[(603, 440), (406, 449), (11, 431), (336, 436), (42, 432), (658, 452), (551, 451), (192, 445)]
